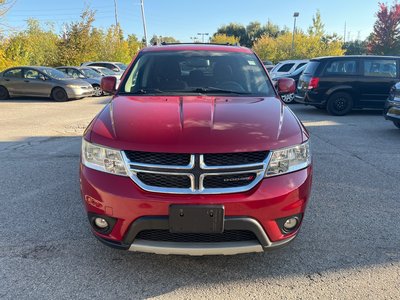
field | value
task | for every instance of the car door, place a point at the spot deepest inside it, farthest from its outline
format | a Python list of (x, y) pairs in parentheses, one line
[(379, 75), (13, 81), (36, 83)]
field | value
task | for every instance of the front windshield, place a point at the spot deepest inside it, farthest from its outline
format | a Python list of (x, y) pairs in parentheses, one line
[(121, 66), (193, 72), (90, 73), (53, 73)]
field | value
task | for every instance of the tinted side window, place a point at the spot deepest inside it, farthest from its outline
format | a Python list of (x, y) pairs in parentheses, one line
[(311, 67), (300, 65), (285, 68), (14, 73), (380, 68), (343, 67)]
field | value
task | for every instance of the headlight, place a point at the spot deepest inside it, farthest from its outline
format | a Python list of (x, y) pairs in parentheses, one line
[(103, 159), (289, 160), (73, 86)]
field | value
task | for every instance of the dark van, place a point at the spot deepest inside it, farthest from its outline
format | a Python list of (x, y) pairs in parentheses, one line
[(342, 83)]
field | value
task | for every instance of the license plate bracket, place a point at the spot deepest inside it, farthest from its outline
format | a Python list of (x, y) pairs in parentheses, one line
[(196, 218)]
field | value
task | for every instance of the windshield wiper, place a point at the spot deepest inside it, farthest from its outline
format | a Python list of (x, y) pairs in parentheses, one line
[(147, 91), (212, 90)]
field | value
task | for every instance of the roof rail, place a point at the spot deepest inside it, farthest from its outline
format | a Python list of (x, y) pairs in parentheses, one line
[(219, 44)]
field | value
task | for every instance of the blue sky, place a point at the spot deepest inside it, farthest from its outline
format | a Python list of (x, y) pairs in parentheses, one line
[(185, 18)]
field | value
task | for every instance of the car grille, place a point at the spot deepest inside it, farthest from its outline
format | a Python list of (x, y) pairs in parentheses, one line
[(165, 180), (228, 159), (161, 235), (196, 173), (154, 158)]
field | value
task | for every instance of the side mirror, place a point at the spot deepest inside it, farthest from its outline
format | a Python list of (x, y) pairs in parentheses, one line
[(42, 77), (286, 86), (108, 84), (115, 70)]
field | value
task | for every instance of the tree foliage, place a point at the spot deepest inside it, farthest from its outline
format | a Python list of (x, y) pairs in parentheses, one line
[(248, 35), (317, 28), (162, 39), (355, 47), (314, 43), (306, 46), (385, 38), (224, 39), (79, 42)]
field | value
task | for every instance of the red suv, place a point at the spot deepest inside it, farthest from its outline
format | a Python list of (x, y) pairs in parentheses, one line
[(196, 154)]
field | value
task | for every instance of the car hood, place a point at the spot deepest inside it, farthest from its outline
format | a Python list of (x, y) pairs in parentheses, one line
[(196, 124)]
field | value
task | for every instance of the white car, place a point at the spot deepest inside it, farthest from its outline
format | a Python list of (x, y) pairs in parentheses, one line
[(287, 67), (117, 67), (107, 72)]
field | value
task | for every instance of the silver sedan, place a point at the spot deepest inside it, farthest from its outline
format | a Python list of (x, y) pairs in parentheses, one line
[(42, 82)]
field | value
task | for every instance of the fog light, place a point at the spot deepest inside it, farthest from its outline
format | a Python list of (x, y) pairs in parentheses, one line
[(290, 223), (101, 223)]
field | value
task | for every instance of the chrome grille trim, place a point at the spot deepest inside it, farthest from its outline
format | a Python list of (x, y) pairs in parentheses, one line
[(135, 168)]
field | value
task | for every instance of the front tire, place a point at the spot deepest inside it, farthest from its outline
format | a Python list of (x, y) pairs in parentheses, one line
[(97, 91), (397, 124), (4, 95), (339, 104), (59, 94)]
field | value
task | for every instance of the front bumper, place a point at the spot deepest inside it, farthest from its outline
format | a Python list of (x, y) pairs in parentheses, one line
[(74, 93), (256, 210), (392, 110)]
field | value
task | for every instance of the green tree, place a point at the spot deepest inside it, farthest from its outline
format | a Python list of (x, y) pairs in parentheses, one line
[(317, 28), (356, 48), (162, 39), (33, 46), (74, 46), (277, 49), (224, 39), (236, 30)]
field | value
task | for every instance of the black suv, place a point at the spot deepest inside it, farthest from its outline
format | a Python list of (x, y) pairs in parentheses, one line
[(342, 83)]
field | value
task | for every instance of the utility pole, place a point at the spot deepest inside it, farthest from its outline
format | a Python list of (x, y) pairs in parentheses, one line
[(116, 13), (202, 35), (295, 15), (144, 22)]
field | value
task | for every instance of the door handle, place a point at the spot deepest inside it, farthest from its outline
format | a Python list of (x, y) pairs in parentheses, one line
[(6, 79), (26, 80)]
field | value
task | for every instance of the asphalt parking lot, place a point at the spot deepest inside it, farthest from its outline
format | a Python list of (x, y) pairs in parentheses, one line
[(349, 246)]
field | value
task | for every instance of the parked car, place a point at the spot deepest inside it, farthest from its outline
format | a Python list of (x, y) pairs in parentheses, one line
[(342, 83), (392, 106), (269, 65), (210, 162), (287, 67), (87, 74), (289, 98), (41, 82), (105, 72), (118, 67)]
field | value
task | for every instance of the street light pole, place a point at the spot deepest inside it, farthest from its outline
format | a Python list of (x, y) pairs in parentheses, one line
[(144, 22), (202, 35), (295, 15)]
